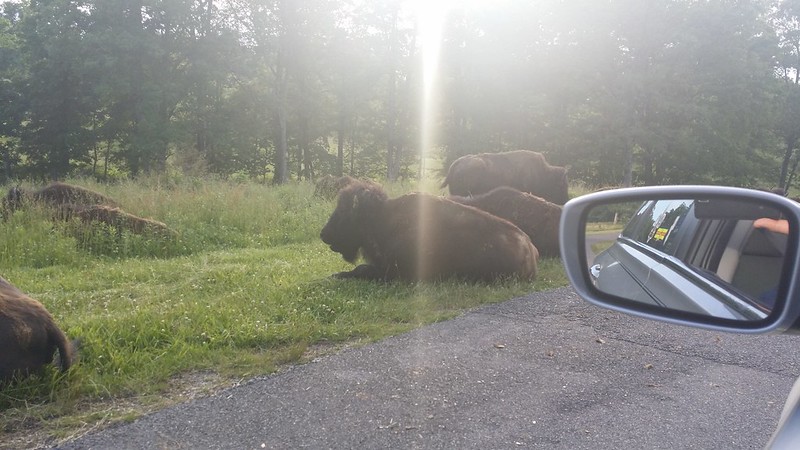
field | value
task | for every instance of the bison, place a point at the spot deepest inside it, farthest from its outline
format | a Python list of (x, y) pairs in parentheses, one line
[(523, 170), (62, 197), (11, 202), (329, 186), (537, 217), (29, 335), (121, 220), (67, 201), (421, 237), (57, 194)]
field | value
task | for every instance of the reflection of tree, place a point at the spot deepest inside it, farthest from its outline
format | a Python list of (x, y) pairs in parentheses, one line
[(621, 212), (670, 220)]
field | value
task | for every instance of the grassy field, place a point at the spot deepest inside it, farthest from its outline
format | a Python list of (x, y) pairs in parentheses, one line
[(242, 290)]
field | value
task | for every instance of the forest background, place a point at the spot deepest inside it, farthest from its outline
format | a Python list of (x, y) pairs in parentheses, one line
[(624, 92)]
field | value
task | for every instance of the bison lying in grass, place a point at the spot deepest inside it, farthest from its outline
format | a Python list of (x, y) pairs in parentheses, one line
[(61, 197), (423, 237), (29, 335), (523, 170), (69, 201), (121, 220), (57, 194), (537, 217)]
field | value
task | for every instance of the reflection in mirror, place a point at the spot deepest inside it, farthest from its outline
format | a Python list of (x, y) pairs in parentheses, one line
[(713, 257)]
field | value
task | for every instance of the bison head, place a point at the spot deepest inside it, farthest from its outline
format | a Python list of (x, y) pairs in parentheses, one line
[(558, 186), (358, 206)]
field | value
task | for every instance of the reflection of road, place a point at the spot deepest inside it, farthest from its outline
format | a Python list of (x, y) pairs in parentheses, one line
[(595, 238)]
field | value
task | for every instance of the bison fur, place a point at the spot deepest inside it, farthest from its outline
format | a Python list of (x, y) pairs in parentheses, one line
[(328, 187), (121, 220), (524, 170), (57, 194), (11, 202), (61, 197), (421, 237), (537, 217), (29, 335)]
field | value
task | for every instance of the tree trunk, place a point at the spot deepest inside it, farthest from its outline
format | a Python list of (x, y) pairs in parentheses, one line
[(281, 151), (5, 153), (304, 153), (792, 173), (783, 180), (647, 168), (105, 160), (281, 146), (340, 133), (627, 179), (353, 147), (391, 105)]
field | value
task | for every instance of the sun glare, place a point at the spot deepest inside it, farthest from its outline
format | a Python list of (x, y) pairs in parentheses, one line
[(430, 17)]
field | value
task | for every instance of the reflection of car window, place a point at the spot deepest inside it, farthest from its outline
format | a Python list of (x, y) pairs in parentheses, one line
[(665, 245), (639, 221), (658, 225)]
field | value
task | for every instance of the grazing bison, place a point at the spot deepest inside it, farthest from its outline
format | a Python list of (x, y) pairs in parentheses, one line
[(29, 335), (423, 237), (329, 186), (121, 220), (523, 170), (537, 217)]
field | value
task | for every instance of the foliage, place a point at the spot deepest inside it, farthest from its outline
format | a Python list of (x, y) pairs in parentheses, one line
[(624, 92)]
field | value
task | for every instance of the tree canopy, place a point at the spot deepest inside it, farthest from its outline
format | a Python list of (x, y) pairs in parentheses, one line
[(624, 92)]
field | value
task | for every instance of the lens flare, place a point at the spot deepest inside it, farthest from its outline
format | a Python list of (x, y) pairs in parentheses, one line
[(430, 18)]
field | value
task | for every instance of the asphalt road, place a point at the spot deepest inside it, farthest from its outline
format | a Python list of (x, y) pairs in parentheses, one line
[(544, 371), (594, 238)]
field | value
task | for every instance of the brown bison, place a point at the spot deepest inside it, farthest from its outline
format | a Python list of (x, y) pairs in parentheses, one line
[(62, 197), (29, 335), (68, 201), (121, 220), (523, 170), (11, 202), (57, 194), (329, 186), (423, 237), (537, 217)]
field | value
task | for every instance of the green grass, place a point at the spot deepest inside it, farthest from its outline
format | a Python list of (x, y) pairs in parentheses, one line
[(243, 289), (603, 227)]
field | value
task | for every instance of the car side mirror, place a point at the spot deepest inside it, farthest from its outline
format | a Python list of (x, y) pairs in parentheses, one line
[(715, 257)]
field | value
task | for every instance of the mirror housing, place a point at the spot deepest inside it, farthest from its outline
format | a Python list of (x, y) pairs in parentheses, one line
[(712, 202)]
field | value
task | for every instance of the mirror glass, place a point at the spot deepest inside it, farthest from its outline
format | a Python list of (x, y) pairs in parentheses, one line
[(716, 257)]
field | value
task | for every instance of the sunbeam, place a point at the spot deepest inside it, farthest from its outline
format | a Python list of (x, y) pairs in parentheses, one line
[(430, 17)]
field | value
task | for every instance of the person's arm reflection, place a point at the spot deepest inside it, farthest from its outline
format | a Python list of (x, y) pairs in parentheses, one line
[(776, 225)]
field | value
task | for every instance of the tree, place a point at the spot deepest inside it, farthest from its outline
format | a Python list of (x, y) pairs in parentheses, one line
[(689, 92), (58, 91), (12, 75), (786, 20)]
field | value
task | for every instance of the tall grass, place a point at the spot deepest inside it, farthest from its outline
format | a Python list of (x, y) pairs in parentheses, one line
[(241, 289)]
